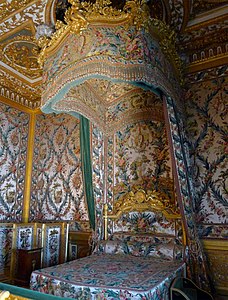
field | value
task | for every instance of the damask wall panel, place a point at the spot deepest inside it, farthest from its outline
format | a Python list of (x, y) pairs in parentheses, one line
[(132, 153), (207, 137), (141, 157), (14, 127), (57, 183)]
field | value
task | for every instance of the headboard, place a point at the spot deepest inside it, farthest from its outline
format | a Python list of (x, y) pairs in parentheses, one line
[(142, 201)]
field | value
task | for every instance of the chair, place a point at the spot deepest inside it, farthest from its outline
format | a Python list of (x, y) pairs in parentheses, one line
[(184, 289), (24, 237), (54, 243)]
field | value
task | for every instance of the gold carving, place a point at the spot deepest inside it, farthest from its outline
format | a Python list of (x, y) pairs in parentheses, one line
[(142, 201), (167, 42), (135, 13), (75, 18), (21, 53), (5, 295), (30, 13), (9, 7), (204, 44)]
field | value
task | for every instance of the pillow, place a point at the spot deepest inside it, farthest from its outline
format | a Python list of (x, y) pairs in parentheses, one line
[(109, 247), (151, 249), (164, 247)]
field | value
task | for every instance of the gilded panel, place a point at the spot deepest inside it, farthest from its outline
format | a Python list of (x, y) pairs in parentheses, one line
[(14, 126)]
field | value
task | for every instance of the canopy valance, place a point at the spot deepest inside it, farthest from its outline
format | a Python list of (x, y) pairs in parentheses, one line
[(121, 51)]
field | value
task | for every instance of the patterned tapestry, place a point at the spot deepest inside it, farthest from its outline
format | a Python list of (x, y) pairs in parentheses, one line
[(14, 126), (141, 157), (207, 130), (196, 266), (142, 160), (6, 236), (57, 183), (134, 155)]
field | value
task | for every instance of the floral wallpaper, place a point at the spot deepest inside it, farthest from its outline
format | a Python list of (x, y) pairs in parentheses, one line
[(207, 115), (133, 153), (138, 157), (14, 126), (141, 157), (57, 184)]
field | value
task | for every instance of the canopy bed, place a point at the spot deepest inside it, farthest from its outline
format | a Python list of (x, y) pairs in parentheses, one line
[(100, 64), (132, 264)]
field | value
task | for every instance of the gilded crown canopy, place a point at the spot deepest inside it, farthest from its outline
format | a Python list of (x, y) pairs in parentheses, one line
[(98, 41)]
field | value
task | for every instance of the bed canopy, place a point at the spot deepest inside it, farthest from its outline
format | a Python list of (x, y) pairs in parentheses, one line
[(101, 54)]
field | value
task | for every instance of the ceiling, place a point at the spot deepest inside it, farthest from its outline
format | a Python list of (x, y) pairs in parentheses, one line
[(200, 25)]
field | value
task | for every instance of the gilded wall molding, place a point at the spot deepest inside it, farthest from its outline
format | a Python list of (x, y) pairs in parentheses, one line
[(19, 106), (29, 166), (217, 252), (208, 63), (204, 45)]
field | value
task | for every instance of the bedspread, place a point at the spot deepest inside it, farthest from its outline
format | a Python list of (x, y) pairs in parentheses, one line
[(108, 276)]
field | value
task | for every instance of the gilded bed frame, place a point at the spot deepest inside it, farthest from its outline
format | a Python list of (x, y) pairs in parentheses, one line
[(142, 201)]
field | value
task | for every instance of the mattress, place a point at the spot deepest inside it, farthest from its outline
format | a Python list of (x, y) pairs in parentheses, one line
[(109, 276)]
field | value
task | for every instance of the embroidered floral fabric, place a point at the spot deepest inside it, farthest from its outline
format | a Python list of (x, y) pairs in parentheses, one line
[(110, 277), (166, 247)]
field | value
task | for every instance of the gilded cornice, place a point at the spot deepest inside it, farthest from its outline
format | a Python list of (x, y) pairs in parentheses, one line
[(214, 244), (19, 106), (20, 74), (215, 22), (206, 28), (207, 63), (206, 46), (14, 89)]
